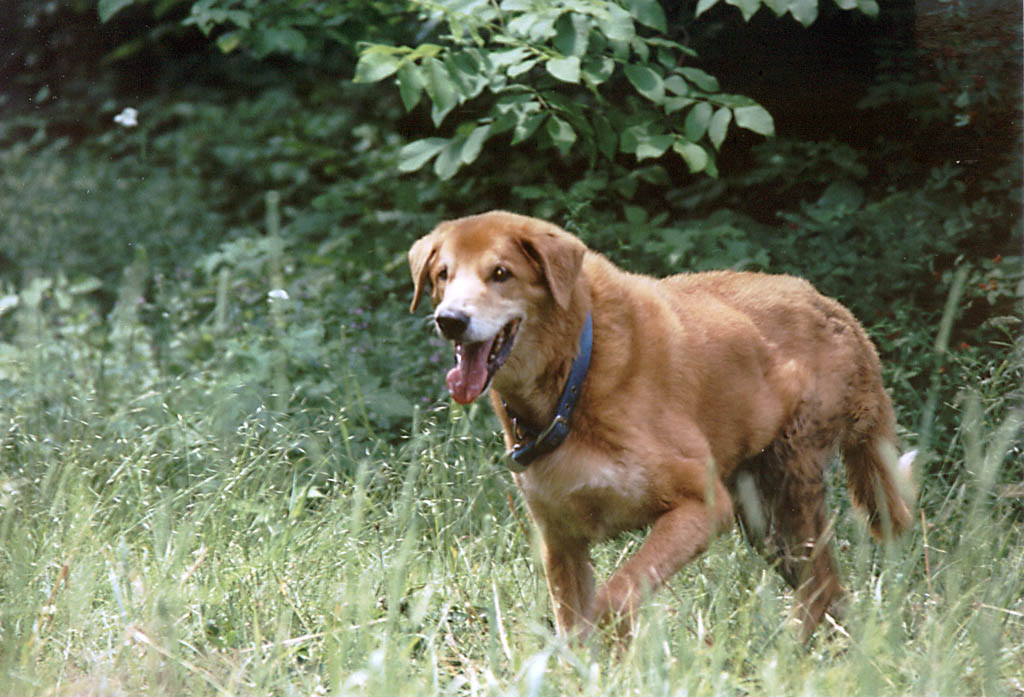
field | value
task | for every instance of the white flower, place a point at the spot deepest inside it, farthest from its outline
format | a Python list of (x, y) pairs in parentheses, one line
[(278, 294), (128, 117)]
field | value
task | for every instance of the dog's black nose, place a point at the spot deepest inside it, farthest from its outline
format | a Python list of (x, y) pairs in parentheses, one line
[(452, 324)]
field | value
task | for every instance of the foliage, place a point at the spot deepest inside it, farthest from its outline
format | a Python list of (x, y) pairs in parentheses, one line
[(964, 72), (590, 76), (206, 310), (303, 30), (69, 210), (596, 76), (803, 11)]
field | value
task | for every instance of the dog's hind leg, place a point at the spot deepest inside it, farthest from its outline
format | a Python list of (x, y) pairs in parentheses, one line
[(780, 500), (807, 561)]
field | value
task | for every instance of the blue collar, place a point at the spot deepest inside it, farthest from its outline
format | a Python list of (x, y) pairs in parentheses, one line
[(537, 444)]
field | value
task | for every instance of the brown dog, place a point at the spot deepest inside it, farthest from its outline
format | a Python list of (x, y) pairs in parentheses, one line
[(706, 395)]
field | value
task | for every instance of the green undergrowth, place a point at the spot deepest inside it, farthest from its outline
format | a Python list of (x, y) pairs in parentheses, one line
[(208, 526)]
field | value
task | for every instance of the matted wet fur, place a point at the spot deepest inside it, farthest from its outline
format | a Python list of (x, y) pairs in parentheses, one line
[(710, 396)]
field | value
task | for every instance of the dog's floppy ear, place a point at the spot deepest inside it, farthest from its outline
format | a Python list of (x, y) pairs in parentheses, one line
[(421, 254), (560, 257)]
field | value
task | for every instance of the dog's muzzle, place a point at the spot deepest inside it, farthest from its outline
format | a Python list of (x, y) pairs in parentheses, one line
[(476, 361), (452, 324)]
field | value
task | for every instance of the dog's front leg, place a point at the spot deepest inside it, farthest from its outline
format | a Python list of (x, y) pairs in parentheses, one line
[(570, 579), (676, 537)]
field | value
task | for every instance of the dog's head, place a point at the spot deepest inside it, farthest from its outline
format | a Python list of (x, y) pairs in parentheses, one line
[(489, 274)]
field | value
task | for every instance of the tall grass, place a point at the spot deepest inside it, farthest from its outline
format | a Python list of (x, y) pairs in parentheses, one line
[(154, 539)]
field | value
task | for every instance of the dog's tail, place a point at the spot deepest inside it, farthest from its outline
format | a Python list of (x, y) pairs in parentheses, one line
[(881, 481)]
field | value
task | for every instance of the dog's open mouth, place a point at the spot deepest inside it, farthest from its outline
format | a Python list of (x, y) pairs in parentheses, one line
[(477, 362)]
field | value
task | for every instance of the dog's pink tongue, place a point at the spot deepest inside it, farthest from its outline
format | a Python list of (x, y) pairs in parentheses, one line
[(469, 376)]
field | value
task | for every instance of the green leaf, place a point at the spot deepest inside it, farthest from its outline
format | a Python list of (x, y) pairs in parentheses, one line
[(129, 49), (676, 85), (288, 40), (630, 138), (636, 215), (697, 120), (642, 50), (646, 82), (561, 134), (708, 83), (804, 11), (228, 42), (840, 198), (522, 67), (468, 73), (711, 169), (504, 120), (527, 125), (440, 89), (449, 159), (108, 8), (695, 156), (507, 58), (703, 6), (649, 13), (474, 143), (755, 118), (597, 70), (607, 137), (565, 69), (572, 34), (534, 26), (674, 104), (241, 18), (746, 7), (619, 25), (410, 85), (868, 7), (425, 51), (417, 153), (733, 100), (377, 63), (654, 146), (510, 102), (719, 126)]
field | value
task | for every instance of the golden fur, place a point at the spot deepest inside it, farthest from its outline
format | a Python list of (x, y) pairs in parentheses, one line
[(710, 396)]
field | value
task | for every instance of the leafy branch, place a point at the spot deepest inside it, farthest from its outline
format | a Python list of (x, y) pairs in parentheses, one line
[(597, 78), (590, 76)]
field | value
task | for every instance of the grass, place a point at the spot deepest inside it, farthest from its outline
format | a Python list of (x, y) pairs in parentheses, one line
[(145, 548), (180, 514)]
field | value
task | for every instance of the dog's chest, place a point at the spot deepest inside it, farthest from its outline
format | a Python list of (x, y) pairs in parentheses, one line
[(591, 498)]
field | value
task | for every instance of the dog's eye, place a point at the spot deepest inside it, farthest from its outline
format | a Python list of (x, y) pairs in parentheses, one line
[(500, 274), (442, 275)]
